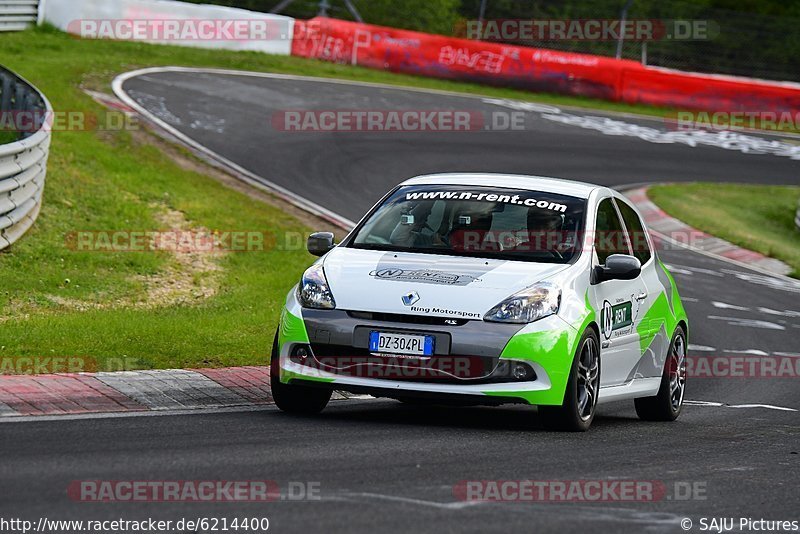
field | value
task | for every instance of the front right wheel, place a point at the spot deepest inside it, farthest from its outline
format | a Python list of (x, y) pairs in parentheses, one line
[(668, 403), (291, 398)]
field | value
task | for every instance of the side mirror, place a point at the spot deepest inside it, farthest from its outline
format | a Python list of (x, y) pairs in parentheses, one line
[(618, 267), (320, 243)]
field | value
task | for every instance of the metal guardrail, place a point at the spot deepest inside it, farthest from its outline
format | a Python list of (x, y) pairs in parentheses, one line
[(23, 164), (16, 15)]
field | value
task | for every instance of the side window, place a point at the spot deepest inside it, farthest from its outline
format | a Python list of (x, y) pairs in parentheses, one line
[(636, 232), (609, 236)]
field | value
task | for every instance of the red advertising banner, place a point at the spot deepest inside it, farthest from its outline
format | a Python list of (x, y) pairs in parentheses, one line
[(446, 57), (686, 90), (533, 69)]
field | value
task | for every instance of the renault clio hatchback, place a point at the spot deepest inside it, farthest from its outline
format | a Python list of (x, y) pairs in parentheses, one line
[(488, 289)]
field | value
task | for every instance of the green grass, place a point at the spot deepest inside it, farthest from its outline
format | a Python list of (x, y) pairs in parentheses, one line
[(7, 137), (55, 301), (756, 217)]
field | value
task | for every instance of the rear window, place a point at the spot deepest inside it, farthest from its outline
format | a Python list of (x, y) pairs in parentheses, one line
[(476, 221)]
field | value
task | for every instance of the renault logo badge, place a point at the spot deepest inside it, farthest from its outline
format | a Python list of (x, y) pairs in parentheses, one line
[(409, 299)]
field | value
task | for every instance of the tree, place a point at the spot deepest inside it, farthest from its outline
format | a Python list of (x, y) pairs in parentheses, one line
[(433, 16)]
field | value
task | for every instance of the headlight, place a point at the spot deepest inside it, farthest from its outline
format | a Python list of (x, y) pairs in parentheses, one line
[(313, 291), (530, 304)]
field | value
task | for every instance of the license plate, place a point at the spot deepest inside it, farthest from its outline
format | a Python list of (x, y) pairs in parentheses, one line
[(401, 343)]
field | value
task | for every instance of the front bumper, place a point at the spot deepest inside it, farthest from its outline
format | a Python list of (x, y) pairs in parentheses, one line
[(337, 357)]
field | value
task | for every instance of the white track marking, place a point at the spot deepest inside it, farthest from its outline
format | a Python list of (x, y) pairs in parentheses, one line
[(754, 352), (519, 105), (701, 348), (674, 269), (711, 404), (782, 313), (457, 505), (587, 512), (767, 406), (782, 283), (685, 269), (787, 354), (701, 270), (726, 306), (748, 323), (746, 144)]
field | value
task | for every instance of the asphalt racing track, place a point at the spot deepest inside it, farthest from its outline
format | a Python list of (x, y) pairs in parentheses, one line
[(389, 467)]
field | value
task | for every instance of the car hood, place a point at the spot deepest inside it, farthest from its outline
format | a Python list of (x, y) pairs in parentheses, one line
[(434, 285)]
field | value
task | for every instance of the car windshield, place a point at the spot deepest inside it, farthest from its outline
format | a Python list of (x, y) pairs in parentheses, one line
[(485, 222)]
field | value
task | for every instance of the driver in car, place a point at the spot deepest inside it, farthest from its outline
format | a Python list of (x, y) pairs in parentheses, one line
[(410, 232)]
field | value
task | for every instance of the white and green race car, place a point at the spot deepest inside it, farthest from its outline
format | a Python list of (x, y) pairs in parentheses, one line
[(488, 289)]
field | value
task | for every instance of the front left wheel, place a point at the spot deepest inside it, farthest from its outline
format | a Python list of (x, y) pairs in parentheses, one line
[(291, 398), (583, 385)]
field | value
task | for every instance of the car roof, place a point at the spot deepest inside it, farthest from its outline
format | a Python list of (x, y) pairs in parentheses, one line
[(510, 181)]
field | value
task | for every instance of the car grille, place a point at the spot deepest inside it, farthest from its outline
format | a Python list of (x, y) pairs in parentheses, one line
[(412, 319), (440, 369)]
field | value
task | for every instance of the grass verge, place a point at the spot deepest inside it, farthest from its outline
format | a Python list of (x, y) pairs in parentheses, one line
[(756, 217), (147, 309)]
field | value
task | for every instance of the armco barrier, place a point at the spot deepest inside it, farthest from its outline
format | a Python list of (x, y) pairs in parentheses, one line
[(535, 69), (16, 15), (23, 164)]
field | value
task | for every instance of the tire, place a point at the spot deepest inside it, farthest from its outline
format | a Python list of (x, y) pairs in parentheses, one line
[(293, 399), (583, 386), (668, 403)]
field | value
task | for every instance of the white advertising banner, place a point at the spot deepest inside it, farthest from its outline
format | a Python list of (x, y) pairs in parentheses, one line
[(170, 22)]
